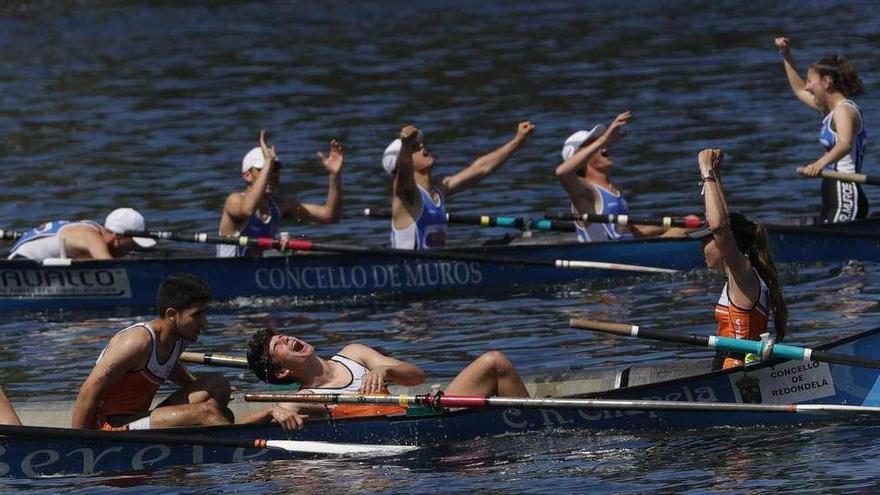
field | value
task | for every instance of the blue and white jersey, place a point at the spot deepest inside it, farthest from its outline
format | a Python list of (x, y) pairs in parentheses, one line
[(428, 230), (852, 162), (254, 227), (609, 204), (43, 242)]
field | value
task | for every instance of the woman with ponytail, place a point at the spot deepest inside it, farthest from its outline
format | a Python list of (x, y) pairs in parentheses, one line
[(831, 82), (738, 247)]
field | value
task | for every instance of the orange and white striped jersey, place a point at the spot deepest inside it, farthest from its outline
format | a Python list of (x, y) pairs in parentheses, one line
[(742, 323)]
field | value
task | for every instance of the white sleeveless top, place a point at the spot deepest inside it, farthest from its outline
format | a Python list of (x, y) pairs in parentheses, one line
[(355, 369)]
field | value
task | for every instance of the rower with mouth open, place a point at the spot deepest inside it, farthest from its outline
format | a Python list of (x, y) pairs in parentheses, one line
[(358, 369)]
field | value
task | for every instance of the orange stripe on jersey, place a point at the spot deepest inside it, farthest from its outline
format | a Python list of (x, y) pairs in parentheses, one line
[(740, 323)]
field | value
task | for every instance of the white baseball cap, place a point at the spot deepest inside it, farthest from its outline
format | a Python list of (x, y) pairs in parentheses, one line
[(579, 139), (253, 159), (122, 220), (389, 158)]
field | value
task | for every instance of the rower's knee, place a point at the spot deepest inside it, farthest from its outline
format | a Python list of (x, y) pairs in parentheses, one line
[(216, 387), (496, 361), (215, 413)]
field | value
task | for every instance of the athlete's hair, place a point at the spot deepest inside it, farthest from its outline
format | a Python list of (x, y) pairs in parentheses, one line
[(182, 291), (842, 73), (751, 240), (258, 357)]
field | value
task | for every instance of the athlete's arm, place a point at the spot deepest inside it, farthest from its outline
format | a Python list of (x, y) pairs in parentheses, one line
[(743, 286), (126, 352), (405, 197), (331, 210), (238, 208), (846, 121), (487, 164), (7, 412), (382, 368), (795, 80), (180, 375), (87, 239)]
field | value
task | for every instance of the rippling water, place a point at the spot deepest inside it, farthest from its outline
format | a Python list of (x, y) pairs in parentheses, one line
[(152, 105)]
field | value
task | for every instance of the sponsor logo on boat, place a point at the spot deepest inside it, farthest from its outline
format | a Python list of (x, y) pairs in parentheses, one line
[(786, 383), (37, 462), (65, 282), (402, 275), (517, 419)]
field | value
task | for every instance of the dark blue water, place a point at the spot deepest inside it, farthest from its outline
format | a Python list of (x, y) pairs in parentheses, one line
[(152, 105)]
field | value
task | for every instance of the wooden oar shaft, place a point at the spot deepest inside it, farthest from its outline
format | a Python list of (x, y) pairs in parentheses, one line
[(780, 351), (441, 400), (10, 235), (214, 359), (846, 177), (668, 222), (307, 245), (520, 223)]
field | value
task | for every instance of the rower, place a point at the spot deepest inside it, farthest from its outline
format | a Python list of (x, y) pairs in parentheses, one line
[(358, 369), (85, 239), (118, 392), (418, 205), (585, 174), (831, 82), (257, 212), (738, 247)]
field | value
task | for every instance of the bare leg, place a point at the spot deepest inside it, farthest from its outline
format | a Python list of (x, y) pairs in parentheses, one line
[(490, 374), (202, 402), (7, 412)]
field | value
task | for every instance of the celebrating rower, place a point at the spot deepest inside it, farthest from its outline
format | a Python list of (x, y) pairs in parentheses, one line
[(418, 205), (585, 174), (119, 391), (738, 247), (831, 82), (256, 212), (359, 369), (85, 239)]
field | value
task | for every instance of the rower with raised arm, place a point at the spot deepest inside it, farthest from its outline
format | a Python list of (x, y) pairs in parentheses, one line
[(119, 391), (359, 369), (85, 239), (418, 204), (258, 210), (831, 83), (738, 247), (585, 174)]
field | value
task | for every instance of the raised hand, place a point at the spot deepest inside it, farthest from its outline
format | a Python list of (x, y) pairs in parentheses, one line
[(782, 43), (333, 160), (524, 129), (410, 135), (710, 160), (615, 130), (268, 152)]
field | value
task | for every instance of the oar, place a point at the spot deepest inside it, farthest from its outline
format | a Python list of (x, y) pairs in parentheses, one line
[(761, 348), (440, 400), (145, 436), (520, 223), (668, 222), (214, 359), (307, 245), (846, 177), (10, 235)]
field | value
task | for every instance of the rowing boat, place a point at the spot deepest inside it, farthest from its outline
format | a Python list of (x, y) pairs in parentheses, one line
[(786, 382), (28, 285)]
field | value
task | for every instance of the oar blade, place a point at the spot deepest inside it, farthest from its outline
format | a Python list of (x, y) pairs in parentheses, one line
[(332, 448)]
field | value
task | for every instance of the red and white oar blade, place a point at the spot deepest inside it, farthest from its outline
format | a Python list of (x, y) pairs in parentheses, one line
[(332, 448)]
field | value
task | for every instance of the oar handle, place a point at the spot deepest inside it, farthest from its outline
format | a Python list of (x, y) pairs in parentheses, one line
[(10, 235), (623, 220), (844, 176), (214, 359), (520, 223), (604, 326)]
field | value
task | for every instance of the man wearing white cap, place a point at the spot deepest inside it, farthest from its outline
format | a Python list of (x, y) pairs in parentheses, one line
[(418, 205), (585, 173), (85, 239), (256, 212)]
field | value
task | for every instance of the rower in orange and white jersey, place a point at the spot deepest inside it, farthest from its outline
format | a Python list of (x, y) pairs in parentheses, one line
[(738, 247), (278, 358), (118, 392)]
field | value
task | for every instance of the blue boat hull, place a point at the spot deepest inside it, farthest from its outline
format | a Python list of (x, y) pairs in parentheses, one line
[(26, 285), (783, 383)]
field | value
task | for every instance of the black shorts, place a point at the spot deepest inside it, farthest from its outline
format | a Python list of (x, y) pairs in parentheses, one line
[(842, 201)]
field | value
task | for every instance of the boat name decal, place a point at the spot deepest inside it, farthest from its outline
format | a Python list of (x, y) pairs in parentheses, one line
[(84, 460), (63, 282), (784, 384), (518, 420), (405, 274)]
